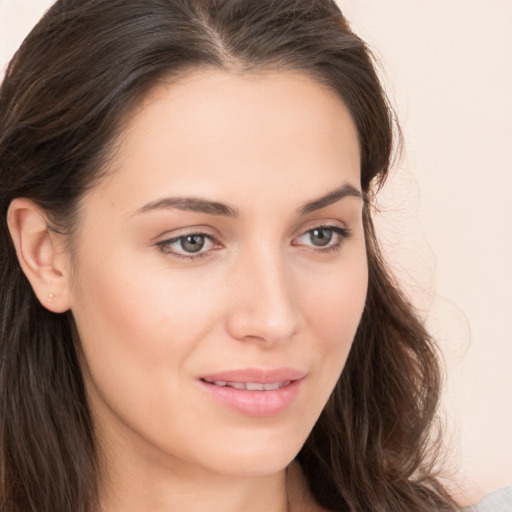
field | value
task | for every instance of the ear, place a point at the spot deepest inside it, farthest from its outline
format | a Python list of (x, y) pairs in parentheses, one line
[(41, 254)]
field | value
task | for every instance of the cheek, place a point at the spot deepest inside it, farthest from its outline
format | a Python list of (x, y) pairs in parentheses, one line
[(335, 304), (336, 309), (138, 329), (139, 306)]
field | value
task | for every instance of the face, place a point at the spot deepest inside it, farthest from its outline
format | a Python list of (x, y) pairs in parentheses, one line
[(220, 271)]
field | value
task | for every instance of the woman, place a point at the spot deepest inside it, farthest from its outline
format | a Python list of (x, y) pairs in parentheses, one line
[(195, 312)]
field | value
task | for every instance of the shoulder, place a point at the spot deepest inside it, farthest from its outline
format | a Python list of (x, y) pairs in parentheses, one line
[(498, 501)]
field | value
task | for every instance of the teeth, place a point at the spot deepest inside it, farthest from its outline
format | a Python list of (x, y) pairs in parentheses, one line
[(237, 385), (253, 386)]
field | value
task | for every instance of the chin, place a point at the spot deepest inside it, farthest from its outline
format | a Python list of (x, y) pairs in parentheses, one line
[(253, 459)]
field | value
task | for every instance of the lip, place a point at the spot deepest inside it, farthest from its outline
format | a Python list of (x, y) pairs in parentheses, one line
[(264, 376), (256, 403)]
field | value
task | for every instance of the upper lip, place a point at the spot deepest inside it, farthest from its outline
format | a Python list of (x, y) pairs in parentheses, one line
[(259, 375)]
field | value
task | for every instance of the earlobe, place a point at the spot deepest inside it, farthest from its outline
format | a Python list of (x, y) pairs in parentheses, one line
[(40, 253)]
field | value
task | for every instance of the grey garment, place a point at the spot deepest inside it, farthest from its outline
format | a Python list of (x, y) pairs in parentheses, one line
[(499, 501)]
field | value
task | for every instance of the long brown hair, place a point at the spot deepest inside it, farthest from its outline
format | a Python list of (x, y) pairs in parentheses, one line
[(66, 91)]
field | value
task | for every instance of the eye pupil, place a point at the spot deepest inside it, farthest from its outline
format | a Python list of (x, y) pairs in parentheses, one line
[(192, 243), (321, 236)]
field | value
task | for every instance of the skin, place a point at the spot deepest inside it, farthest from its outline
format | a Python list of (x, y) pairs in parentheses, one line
[(262, 294)]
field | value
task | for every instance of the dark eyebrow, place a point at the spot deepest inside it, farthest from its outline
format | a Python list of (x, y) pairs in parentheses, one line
[(196, 204), (193, 204), (330, 198)]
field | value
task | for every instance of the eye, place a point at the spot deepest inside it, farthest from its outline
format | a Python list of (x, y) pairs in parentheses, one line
[(323, 237), (190, 246), (320, 237)]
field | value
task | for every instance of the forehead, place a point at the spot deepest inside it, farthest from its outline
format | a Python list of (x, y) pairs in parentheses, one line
[(213, 131)]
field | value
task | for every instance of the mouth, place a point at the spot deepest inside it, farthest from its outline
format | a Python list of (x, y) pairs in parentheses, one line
[(250, 386), (255, 392)]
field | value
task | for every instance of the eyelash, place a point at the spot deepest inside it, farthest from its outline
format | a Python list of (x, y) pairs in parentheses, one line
[(342, 234), (164, 245)]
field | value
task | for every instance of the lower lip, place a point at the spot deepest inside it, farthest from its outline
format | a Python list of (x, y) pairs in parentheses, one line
[(256, 403)]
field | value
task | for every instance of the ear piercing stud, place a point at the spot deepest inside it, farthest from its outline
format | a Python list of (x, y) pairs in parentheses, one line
[(51, 297)]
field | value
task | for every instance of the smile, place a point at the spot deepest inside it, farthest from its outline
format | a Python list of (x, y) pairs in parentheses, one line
[(255, 392), (251, 386)]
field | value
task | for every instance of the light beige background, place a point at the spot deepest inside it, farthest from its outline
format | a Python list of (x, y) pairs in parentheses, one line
[(446, 213)]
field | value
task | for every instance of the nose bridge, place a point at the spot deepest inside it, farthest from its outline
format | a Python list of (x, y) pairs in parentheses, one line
[(264, 305)]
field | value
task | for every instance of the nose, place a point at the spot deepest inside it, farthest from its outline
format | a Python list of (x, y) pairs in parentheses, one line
[(263, 303)]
